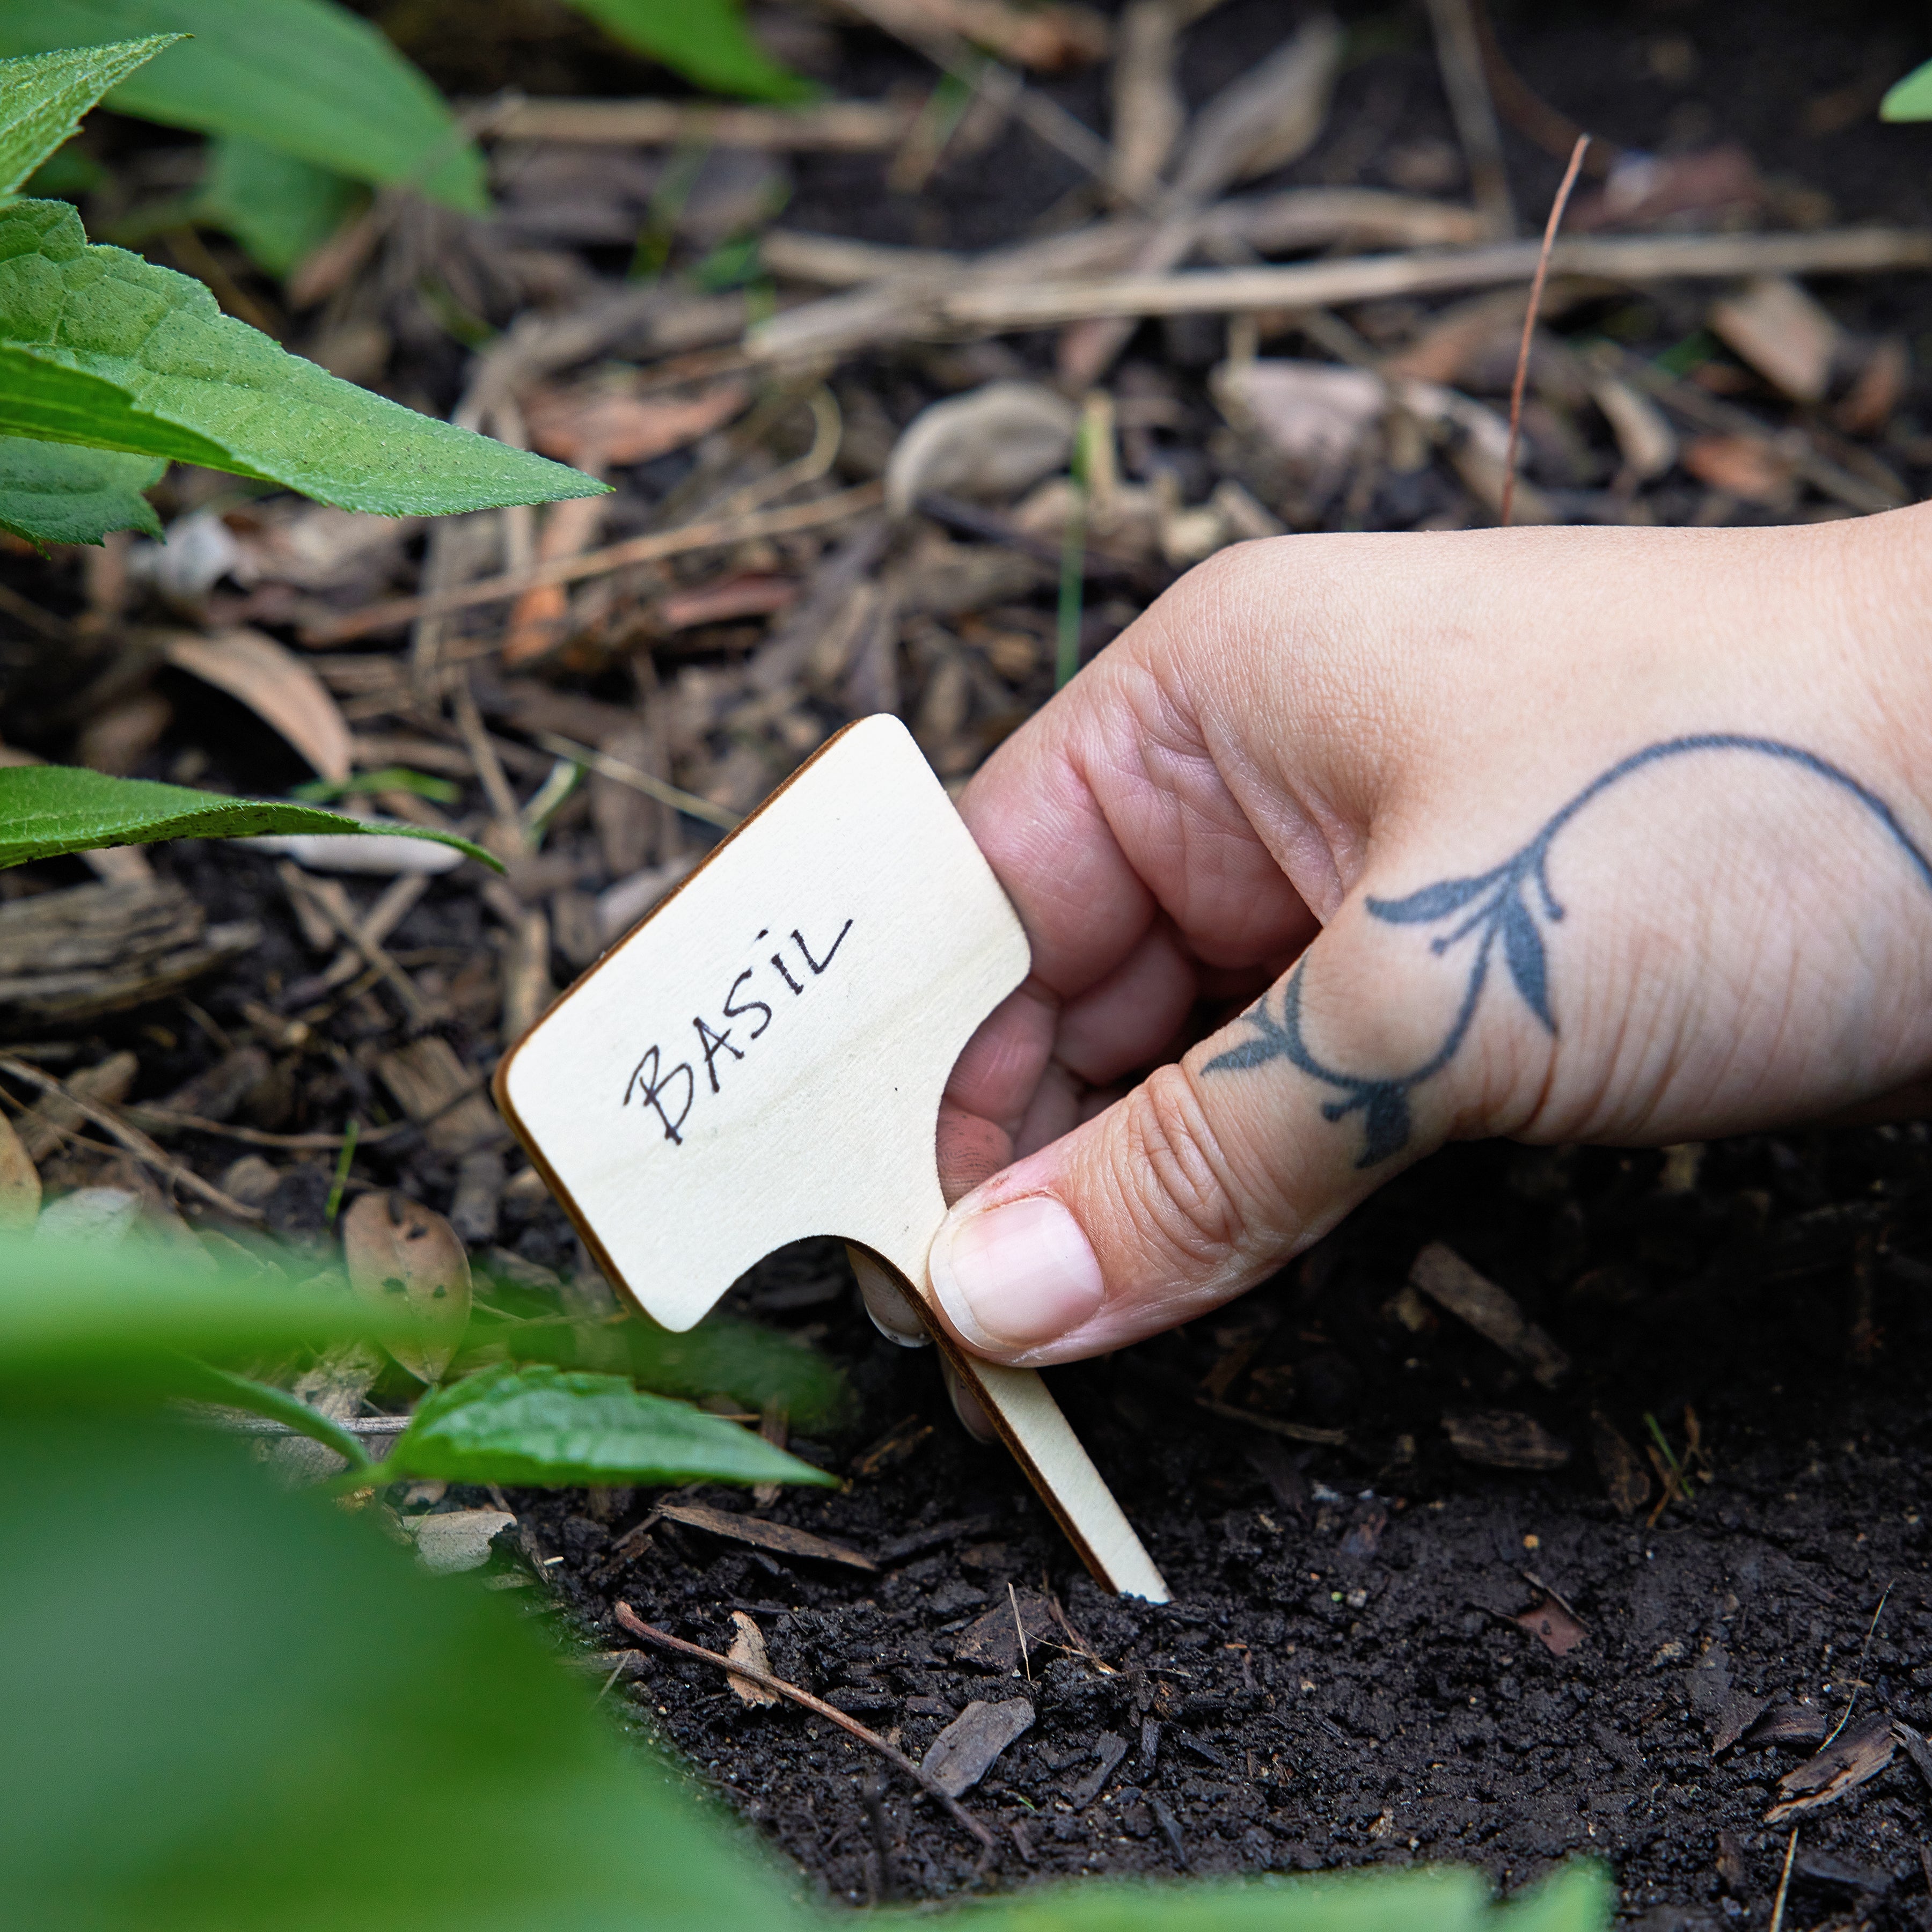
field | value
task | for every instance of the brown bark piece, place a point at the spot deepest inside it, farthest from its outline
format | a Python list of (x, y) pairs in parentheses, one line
[(762, 1535), (749, 1647), (107, 1083), (426, 1076), (992, 1642), (1626, 1481), (1504, 1439), (1859, 1754), (965, 1750), (1449, 1281), (86, 950)]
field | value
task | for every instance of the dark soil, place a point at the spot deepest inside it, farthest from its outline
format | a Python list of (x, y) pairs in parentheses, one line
[(1338, 1680)]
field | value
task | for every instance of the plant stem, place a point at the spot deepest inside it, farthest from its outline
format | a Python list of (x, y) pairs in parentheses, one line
[(218, 1385), (344, 1161), (1073, 568)]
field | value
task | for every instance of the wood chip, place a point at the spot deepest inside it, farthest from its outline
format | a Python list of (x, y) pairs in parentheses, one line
[(275, 684), (1859, 1755), (992, 1642), (597, 421), (965, 1750), (107, 1083), (1788, 1724), (1109, 1750), (86, 950), (1449, 1281), (1750, 468), (1504, 1439), (1741, 1709), (749, 1647), (426, 1078), (762, 1534)]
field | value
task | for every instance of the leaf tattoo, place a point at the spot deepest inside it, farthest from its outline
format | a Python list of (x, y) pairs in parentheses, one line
[(1502, 908)]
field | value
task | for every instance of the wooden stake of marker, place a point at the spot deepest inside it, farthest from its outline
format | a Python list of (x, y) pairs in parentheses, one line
[(762, 1060)]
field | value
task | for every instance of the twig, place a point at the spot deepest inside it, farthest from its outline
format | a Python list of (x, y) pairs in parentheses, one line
[(1296, 1431), (197, 1124), (136, 1142), (841, 323), (1784, 1883), (688, 802), (1859, 1675), (714, 534), (628, 1619), (1550, 229), (1019, 1630), (1459, 50), (504, 804), (24, 611), (833, 126)]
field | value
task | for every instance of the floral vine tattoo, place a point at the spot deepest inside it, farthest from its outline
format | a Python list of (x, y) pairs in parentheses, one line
[(1501, 908)]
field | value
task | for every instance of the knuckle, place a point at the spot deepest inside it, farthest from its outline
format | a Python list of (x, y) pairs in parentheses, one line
[(1179, 1185)]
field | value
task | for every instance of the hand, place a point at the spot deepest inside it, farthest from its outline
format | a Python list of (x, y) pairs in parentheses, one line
[(1566, 835)]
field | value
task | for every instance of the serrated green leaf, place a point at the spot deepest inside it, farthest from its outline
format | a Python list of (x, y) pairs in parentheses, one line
[(97, 346), (556, 1428), (59, 492), (46, 810), (278, 207), (705, 40), (304, 76), (42, 97), (1909, 99)]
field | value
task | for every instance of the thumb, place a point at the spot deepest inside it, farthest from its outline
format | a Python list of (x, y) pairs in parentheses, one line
[(1216, 1170)]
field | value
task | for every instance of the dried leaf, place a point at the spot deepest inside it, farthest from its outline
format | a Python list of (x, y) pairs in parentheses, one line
[(102, 1215), (458, 1539), (762, 1535), (992, 442), (749, 1647), (1747, 467), (395, 1246), (1552, 1625), (20, 1183), (276, 685), (598, 424), (1783, 333), (1313, 412), (1859, 1755), (1268, 118), (1503, 1439), (1878, 390), (965, 1750), (1645, 439)]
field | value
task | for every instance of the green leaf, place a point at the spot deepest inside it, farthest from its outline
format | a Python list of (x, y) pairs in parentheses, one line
[(97, 346), (1909, 99), (264, 1399), (556, 1428), (304, 76), (314, 1735), (705, 40), (45, 810), (279, 208), (58, 493), (42, 97), (79, 1318)]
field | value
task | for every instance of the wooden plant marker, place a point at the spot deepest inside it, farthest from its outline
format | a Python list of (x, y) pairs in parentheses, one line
[(762, 1060)]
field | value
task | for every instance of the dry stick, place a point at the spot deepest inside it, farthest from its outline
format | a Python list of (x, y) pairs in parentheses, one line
[(1550, 229), (629, 1620), (1459, 50), (24, 611), (198, 1123), (136, 1142), (836, 127), (1784, 1883), (678, 800), (715, 534), (1859, 1675), (985, 306)]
